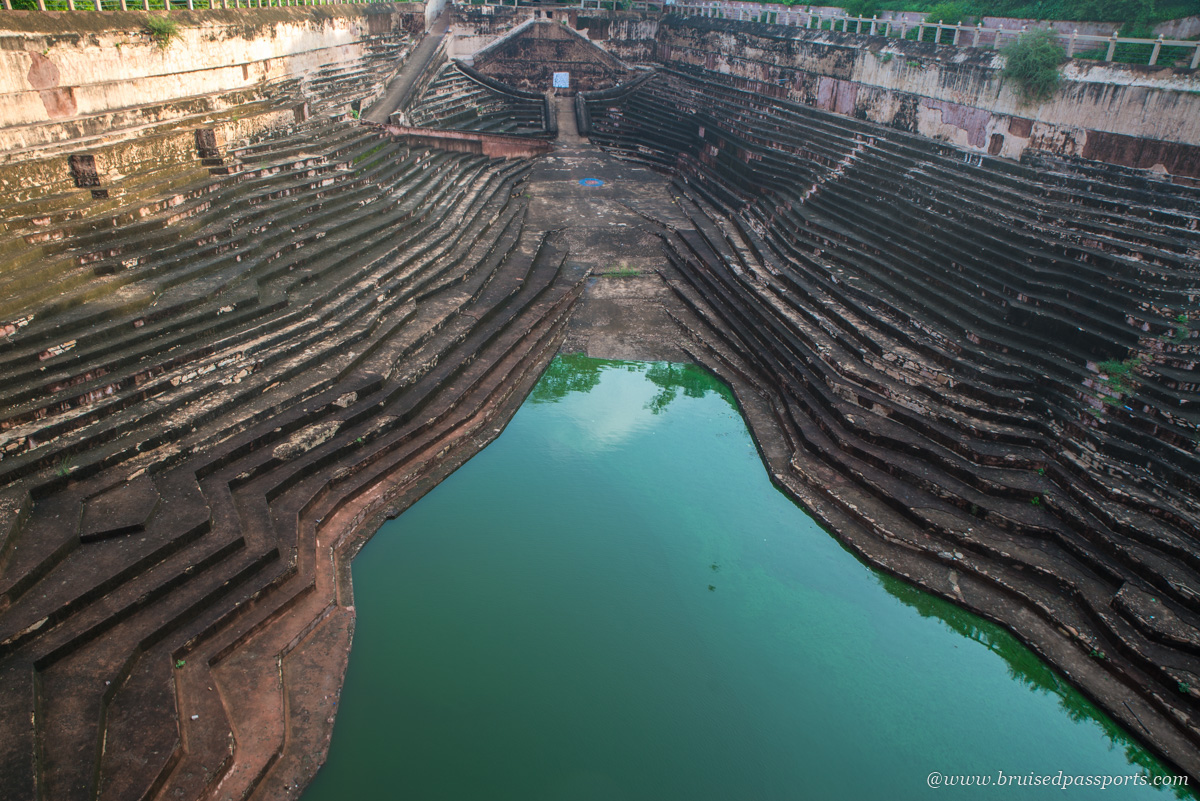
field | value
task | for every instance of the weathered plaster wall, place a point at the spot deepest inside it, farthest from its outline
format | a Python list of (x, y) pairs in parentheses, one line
[(529, 55), (472, 30), (1184, 28), (629, 35), (88, 73), (171, 152), (632, 37), (956, 94)]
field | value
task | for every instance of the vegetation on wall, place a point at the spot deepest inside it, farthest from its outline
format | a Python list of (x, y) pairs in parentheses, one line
[(1032, 63), (1119, 378), (162, 29)]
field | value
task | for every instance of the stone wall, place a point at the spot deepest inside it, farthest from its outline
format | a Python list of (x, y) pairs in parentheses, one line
[(1104, 111), (529, 54), (66, 77), (1184, 28), (631, 37), (473, 28)]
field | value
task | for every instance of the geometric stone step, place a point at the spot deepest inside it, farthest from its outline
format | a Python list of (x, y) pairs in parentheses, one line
[(1156, 620), (123, 509)]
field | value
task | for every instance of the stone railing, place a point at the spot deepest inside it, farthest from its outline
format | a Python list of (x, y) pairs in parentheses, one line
[(635, 5), (1074, 43), (594, 5), (168, 5)]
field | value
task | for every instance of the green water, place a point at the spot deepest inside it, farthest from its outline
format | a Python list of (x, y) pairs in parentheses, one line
[(613, 602)]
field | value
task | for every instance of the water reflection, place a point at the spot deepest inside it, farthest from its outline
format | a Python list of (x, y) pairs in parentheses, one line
[(571, 372), (1025, 667), (574, 372), (693, 381)]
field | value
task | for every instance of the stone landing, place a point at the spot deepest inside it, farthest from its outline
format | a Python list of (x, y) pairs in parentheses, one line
[(612, 234)]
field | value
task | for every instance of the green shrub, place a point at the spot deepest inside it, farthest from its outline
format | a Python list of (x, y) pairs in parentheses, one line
[(64, 466), (1182, 329), (162, 29), (1032, 64), (1118, 377)]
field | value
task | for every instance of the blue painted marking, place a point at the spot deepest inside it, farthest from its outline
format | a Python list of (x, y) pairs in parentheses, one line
[(590, 182)]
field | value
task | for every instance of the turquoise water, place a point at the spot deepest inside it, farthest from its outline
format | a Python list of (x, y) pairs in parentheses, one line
[(613, 602)]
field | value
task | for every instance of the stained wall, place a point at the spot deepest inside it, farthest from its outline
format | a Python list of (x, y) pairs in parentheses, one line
[(1137, 116)]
